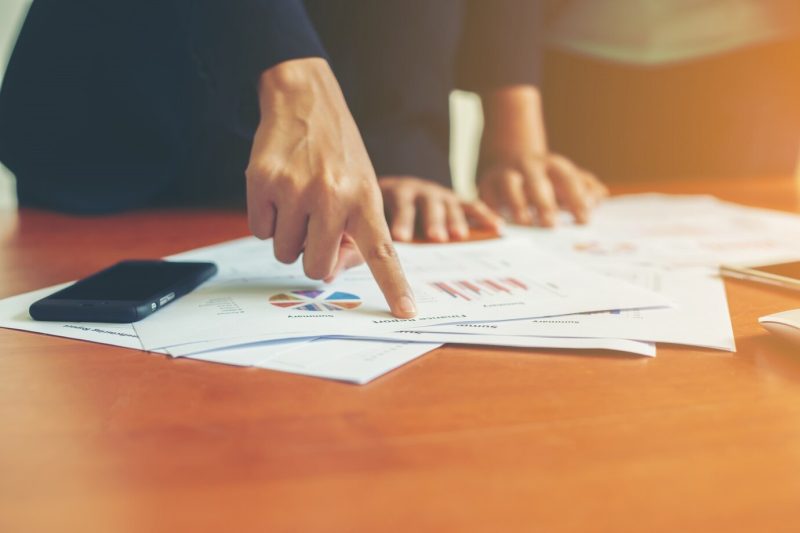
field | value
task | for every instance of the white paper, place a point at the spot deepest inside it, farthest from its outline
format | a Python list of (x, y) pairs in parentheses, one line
[(675, 231), (253, 295), (14, 315), (458, 336), (700, 317), (516, 341), (353, 361), (350, 360), (344, 360), (789, 318)]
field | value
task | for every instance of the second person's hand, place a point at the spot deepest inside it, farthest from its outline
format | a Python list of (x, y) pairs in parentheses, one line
[(439, 214), (518, 173), (311, 185), (532, 189)]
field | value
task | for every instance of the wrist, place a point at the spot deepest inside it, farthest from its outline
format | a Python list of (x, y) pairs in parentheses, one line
[(294, 84), (513, 123), (293, 75)]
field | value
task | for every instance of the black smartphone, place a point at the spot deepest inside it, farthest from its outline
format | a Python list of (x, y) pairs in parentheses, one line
[(126, 292)]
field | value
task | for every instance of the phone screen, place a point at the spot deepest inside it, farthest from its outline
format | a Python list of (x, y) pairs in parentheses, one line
[(787, 270), (130, 281)]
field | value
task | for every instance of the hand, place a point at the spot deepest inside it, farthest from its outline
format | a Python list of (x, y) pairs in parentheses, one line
[(518, 173), (441, 215), (540, 184), (311, 185)]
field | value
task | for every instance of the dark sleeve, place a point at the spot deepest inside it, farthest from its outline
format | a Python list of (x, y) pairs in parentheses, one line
[(500, 44), (233, 41)]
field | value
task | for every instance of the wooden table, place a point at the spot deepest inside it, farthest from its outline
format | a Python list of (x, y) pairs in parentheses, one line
[(97, 438)]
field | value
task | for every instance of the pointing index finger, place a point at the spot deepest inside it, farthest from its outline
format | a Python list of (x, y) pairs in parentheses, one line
[(373, 240)]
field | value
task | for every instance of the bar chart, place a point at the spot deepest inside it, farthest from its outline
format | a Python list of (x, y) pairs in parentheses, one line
[(480, 288)]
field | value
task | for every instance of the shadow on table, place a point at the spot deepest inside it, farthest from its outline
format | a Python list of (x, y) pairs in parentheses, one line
[(774, 357)]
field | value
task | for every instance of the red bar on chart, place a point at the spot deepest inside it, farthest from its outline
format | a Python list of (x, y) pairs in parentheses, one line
[(444, 287), (495, 285), (517, 283), (470, 286)]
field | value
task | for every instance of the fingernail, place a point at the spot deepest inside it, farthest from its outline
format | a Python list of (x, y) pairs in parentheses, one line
[(439, 235), (406, 306)]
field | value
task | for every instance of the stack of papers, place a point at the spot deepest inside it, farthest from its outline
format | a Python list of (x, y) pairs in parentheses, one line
[(643, 272)]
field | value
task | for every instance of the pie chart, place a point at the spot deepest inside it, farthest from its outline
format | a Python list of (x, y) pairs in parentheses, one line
[(315, 300)]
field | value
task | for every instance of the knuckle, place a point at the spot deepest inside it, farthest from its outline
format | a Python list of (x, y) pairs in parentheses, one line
[(404, 194), (333, 182), (283, 258), (383, 252), (537, 177), (259, 169), (315, 271), (259, 224), (327, 191), (285, 254), (284, 184), (253, 172), (452, 203), (259, 231), (370, 207)]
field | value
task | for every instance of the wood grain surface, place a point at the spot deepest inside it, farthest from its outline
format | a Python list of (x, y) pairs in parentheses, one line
[(97, 438)]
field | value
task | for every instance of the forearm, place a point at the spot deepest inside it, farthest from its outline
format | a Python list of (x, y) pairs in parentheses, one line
[(513, 122), (233, 43), (518, 172)]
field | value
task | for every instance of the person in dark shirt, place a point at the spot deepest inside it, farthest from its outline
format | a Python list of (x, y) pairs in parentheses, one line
[(113, 105), (398, 61)]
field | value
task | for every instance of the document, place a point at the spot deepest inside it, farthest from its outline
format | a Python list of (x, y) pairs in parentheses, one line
[(672, 231), (642, 272), (345, 360), (349, 360), (478, 338), (700, 317), (14, 315), (254, 295), (352, 361), (458, 336)]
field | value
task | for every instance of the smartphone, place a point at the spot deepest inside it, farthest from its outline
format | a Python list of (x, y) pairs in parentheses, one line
[(785, 275), (124, 293)]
